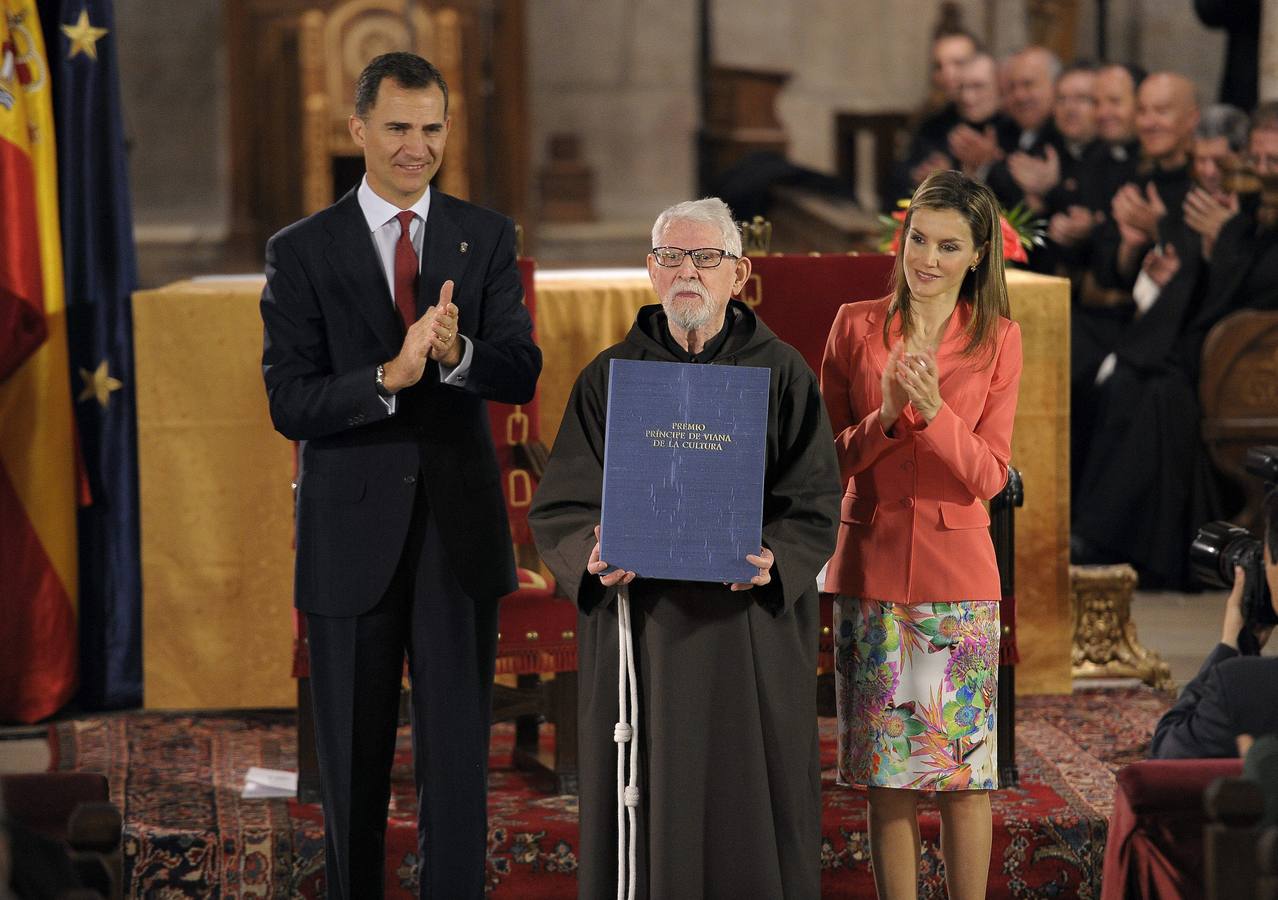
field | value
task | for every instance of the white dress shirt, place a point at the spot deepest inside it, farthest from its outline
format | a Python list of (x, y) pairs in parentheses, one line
[(384, 228)]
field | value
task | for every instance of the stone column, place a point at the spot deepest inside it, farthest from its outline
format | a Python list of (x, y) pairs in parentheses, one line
[(1269, 51)]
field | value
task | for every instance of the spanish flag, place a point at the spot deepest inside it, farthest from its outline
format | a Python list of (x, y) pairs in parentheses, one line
[(38, 475)]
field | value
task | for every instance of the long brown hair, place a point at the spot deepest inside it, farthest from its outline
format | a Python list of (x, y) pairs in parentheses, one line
[(985, 288)]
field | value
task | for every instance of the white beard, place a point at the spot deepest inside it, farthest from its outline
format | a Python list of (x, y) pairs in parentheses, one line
[(688, 318)]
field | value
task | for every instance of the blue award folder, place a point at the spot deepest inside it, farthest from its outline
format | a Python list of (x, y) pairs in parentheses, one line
[(683, 469)]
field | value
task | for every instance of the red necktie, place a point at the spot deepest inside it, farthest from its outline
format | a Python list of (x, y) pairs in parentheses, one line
[(406, 271)]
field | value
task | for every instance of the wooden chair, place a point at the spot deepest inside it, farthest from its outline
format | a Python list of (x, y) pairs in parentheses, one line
[(1238, 390), (334, 46), (1234, 806), (887, 134), (74, 810), (741, 118)]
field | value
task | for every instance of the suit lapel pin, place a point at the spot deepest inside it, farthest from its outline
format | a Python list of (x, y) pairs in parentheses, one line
[(464, 247)]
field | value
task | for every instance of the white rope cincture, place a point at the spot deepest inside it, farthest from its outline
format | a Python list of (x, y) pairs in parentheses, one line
[(623, 733)]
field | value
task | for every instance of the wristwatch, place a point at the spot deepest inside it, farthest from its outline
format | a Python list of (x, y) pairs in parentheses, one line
[(381, 383)]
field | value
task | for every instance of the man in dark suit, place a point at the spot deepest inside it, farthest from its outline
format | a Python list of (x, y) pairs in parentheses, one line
[(1130, 369), (1030, 79), (928, 149), (1053, 181), (1234, 692), (984, 133), (402, 538)]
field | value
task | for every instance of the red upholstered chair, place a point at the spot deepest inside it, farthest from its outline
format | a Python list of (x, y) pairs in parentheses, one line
[(1155, 843), (536, 631), (517, 437), (798, 295), (1239, 372)]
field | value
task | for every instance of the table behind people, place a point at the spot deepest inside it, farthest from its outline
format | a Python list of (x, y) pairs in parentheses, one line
[(199, 340)]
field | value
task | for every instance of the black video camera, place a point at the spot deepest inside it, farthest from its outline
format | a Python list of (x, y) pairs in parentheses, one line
[(1219, 546)]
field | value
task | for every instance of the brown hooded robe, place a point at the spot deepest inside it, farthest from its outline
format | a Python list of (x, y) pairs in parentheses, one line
[(729, 763)]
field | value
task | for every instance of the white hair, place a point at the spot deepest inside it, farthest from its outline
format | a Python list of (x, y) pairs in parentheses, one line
[(706, 211), (1220, 120)]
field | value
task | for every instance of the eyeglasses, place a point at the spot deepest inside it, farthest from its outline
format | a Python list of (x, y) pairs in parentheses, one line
[(702, 257)]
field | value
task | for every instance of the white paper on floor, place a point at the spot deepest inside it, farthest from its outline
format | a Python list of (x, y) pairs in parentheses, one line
[(262, 783)]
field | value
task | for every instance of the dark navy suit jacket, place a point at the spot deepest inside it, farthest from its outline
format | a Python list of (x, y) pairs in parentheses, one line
[(1230, 695), (329, 321)]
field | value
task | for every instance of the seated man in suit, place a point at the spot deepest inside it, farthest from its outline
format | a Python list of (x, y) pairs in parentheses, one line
[(1141, 480), (1053, 182), (1109, 164), (928, 150), (1234, 693), (1030, 77), (1244, 264), (390, 318), (985, 133), (1219, 143)]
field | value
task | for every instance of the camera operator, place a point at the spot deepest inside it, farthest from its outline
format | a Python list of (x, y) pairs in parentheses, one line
[(1233, 693)]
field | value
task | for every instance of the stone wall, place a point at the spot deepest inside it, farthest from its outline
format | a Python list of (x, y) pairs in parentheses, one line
[(622, 74), (174, 94), (872, 55)]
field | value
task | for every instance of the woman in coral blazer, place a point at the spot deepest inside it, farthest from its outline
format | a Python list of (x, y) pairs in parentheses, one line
[(921, 387)]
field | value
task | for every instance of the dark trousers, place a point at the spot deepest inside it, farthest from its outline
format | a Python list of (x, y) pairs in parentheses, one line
[(356, 667)]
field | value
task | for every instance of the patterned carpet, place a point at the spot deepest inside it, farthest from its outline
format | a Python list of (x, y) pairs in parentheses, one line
[(189, 834)]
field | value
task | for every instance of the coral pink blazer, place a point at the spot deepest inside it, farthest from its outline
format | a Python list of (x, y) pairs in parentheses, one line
[(913, 528)]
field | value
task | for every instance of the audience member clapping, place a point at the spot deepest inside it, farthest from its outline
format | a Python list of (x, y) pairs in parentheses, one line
[(1219, 142), (928, 149), (1142, 481), (1053, 182), (1031, 77), (985, 133), (1244, 262), (1166, 116), (1110, 163)]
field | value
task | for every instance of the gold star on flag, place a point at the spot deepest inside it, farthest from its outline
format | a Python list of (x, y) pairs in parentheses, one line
[(98, 385), (84, 36)]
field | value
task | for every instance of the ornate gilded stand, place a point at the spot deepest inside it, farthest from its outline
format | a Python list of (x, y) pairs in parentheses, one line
[(1105, 642)]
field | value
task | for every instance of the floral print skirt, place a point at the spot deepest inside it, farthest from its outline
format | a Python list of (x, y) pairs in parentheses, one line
[(917, 687)]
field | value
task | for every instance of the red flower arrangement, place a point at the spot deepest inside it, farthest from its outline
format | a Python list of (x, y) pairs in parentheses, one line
[(1020, 231)]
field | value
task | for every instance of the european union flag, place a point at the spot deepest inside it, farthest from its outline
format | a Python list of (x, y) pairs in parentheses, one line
[(101, 274)]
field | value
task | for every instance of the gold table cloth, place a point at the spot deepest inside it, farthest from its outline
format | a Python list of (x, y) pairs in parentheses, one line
[(216, 498)]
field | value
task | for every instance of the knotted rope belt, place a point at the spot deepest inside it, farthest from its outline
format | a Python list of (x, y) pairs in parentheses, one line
[(623, 733)]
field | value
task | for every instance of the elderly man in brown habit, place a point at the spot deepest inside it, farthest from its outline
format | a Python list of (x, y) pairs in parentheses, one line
[(728, 794)]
